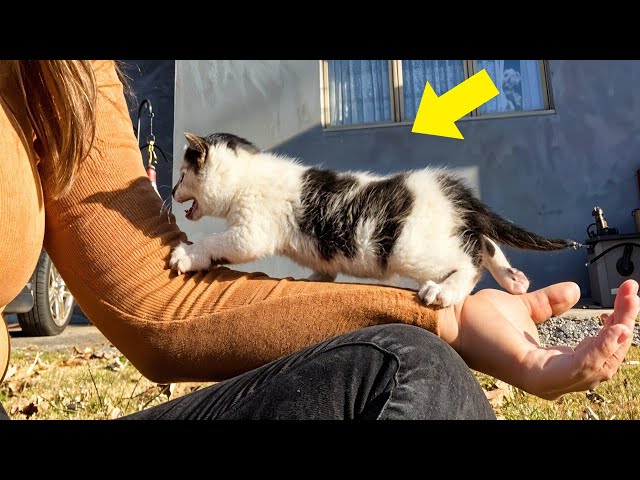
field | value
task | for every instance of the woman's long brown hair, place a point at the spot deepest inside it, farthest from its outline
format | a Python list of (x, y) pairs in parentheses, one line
[(60, 97)]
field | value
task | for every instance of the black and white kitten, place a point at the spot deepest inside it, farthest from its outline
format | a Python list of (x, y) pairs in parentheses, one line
[(424, 224)]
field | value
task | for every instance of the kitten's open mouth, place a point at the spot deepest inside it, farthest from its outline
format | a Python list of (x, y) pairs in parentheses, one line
[(191, 210)]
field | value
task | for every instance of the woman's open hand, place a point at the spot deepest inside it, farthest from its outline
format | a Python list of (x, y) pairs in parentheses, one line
[(495, 332)]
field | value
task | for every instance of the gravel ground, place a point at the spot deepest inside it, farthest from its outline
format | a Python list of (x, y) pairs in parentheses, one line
[(571, 331)]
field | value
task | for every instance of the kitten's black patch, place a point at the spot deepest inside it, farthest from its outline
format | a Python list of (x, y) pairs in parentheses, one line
[(491, 250), (391, 202), (331, 219), (194, 159), (466, 206), (232, 141), (479, 220), (333, 229)]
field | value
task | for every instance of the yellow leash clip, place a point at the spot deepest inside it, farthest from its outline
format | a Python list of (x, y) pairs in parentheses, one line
[(153, 158)]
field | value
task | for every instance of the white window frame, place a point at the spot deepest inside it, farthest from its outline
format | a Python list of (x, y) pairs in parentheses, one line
[(397, 104)]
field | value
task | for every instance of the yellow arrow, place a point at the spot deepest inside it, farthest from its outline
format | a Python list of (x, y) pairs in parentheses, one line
[(436, 115)]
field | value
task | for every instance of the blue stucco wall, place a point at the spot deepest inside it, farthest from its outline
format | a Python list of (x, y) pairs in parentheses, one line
[(543, 172)]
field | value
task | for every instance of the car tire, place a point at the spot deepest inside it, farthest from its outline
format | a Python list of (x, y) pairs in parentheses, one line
[(53, 303)]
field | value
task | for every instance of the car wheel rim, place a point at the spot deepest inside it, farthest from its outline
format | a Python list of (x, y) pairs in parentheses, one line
[(60, 298)]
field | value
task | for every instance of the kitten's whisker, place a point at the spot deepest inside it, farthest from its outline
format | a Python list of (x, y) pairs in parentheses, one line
[(166, 207)]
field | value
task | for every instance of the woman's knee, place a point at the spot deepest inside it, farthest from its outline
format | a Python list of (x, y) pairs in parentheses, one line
[(432, 380)]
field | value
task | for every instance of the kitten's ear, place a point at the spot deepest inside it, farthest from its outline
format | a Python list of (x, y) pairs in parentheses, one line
[(196, 143)]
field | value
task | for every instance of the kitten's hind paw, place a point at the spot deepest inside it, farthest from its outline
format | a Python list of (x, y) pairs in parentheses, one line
[(514, 281)]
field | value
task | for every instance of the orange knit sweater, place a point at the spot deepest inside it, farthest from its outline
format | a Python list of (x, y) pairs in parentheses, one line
[(111, 245)]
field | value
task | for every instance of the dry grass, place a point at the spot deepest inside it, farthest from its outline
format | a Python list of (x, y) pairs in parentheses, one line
[(75, 384), (619, 398), (102, 384)]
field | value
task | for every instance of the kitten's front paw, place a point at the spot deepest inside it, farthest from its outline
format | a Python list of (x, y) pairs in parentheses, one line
[(438, 295), (429, 292), (188, 258)]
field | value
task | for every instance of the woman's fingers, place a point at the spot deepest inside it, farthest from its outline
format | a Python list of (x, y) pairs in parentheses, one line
[(626, 305), (552, 300), (595, 359), (612, 365), (592, 356)]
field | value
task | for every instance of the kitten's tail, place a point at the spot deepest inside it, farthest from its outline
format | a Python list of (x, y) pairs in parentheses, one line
[(479, 218), (503, 231)]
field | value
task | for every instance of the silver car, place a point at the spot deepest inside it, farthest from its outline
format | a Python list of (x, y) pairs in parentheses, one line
[(44, 306)]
